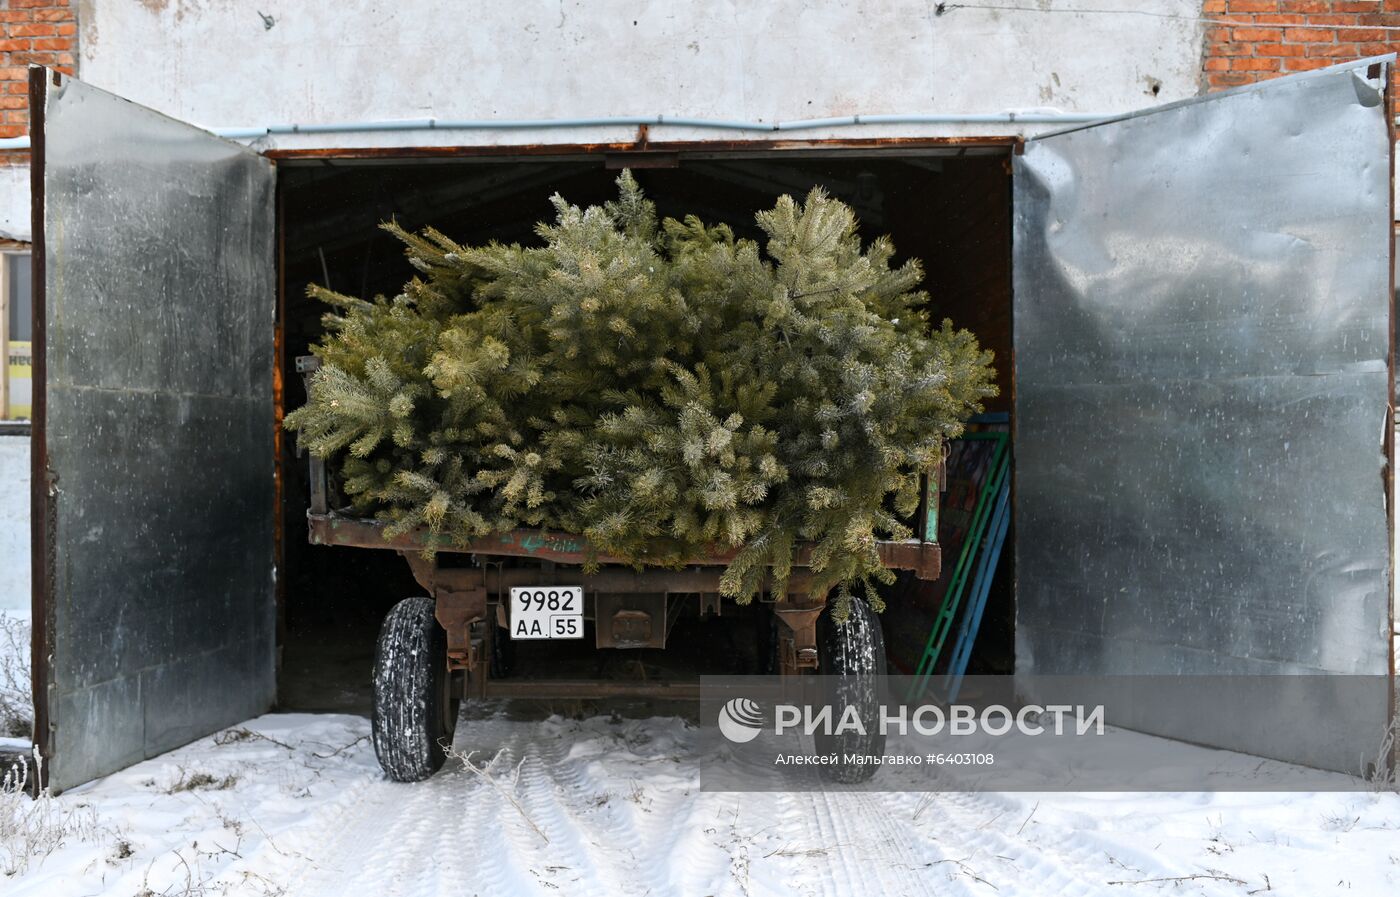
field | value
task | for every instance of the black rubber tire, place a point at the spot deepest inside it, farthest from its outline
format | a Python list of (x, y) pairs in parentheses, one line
[(414, 711), (852, 657)]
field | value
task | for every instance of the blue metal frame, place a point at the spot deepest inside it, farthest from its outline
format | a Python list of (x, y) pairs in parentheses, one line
[(981, 587), (989, 516)]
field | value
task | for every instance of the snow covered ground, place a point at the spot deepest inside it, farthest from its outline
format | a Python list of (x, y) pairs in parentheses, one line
[(295, 805)]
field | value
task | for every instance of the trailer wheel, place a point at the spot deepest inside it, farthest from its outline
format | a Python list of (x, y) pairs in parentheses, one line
[(852, 657), (415, 711)]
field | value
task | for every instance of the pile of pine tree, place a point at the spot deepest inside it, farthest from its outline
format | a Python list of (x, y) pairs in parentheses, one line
[(660, 387)]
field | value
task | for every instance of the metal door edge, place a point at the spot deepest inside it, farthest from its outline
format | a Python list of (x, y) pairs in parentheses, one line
[(1386, 60)]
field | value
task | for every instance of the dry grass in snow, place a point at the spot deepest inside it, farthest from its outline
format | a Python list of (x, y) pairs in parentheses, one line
[(33, 828), (16, 713)]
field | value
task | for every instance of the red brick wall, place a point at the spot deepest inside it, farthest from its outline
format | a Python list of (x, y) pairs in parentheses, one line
[(1256, 39), (31, 31)]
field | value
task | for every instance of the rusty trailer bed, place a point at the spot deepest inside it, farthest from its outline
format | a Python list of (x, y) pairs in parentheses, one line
[(924, 559)]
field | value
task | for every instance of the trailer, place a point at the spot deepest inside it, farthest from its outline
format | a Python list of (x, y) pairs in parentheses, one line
[(455, 642)]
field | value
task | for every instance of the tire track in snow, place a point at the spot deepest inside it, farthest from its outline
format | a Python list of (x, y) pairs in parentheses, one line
[(570, 855), (419, 839), (838, 844), (805, 854), (625, 816), (301, 853), (349, 854), (455, 834), (634, 831), (888, 851), (494, 853), (642, 824)]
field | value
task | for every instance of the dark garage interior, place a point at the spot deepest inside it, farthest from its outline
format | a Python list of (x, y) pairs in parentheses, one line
[(949, 207)]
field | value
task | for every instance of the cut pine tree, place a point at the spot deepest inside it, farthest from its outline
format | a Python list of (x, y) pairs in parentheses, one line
[(657, 386)]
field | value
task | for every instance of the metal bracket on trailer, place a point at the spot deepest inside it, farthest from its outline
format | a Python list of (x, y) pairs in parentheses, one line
[(456, 611), (797, 637), (458, 602)]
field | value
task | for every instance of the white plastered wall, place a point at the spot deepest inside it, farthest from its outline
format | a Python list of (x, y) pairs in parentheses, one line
[(229, 63), (251, 62)]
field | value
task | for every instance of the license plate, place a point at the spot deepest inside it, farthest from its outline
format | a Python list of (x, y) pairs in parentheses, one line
[(540, 612)]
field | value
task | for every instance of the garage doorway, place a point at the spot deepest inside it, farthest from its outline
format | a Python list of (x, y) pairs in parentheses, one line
[(950, 207)]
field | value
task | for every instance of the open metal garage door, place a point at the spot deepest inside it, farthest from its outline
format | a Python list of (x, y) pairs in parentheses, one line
[(153, 430), (1202, 344)]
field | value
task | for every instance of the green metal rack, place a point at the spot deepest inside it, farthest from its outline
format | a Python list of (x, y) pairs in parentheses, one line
[(997, 473)]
